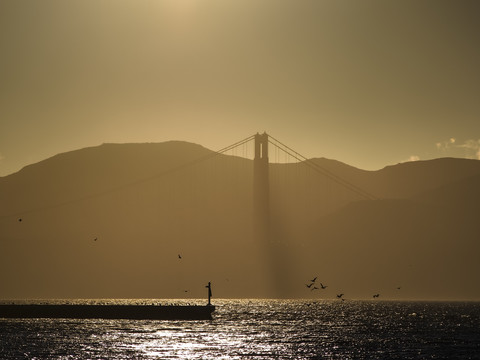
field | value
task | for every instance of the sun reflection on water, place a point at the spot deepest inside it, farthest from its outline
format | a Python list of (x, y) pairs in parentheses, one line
[(259, 329)]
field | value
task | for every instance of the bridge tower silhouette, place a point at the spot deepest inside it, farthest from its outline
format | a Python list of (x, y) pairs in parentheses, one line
[(261, 189)]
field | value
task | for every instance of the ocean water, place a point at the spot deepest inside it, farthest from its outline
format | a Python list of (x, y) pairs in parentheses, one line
[(260, 329)]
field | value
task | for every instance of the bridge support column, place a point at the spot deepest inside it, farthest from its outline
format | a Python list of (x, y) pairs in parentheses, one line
[(261, 189)]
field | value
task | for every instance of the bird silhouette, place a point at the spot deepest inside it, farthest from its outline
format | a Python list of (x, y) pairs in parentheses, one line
[(315, 278), (398, 288), (309, 285), (376, 295), (314, 288), (179, 256), (95, 239), (339, 295), (323, 286)]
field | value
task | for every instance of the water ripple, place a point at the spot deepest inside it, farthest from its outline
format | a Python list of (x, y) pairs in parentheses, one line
[(260, 329)]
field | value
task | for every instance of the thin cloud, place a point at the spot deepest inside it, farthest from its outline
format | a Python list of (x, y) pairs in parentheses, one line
[(471, 148), (444, 145), (412, 158), (470, 144)]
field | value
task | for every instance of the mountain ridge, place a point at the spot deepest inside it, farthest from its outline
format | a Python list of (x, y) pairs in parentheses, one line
[(96, 220)]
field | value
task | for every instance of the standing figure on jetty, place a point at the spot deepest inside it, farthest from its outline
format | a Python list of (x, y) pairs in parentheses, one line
[(209, 287)]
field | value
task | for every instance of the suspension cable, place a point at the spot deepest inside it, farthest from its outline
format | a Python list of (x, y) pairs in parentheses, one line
[(321, 170), (133, 183), (278, 144)]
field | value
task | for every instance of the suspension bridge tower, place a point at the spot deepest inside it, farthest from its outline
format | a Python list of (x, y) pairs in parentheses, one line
[(261, 189)]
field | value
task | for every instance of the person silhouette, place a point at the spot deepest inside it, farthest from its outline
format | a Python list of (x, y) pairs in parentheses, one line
[(209, 287)]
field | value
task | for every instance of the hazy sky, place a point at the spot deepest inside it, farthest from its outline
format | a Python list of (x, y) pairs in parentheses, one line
[(369, 83)]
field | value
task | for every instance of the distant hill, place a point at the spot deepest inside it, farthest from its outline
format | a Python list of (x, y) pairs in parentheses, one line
[(405, 180), (427, 243), (112, 220)]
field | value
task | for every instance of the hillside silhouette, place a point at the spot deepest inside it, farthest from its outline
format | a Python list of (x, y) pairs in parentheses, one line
[(161, 219)]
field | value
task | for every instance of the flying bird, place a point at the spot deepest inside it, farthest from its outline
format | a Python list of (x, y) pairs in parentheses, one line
[(376, 295), (314, 288), (339, 295), (309, 285), (179, 256), (95, 239), (315, 278), (398, 288), (323, 286), (20, 219)]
